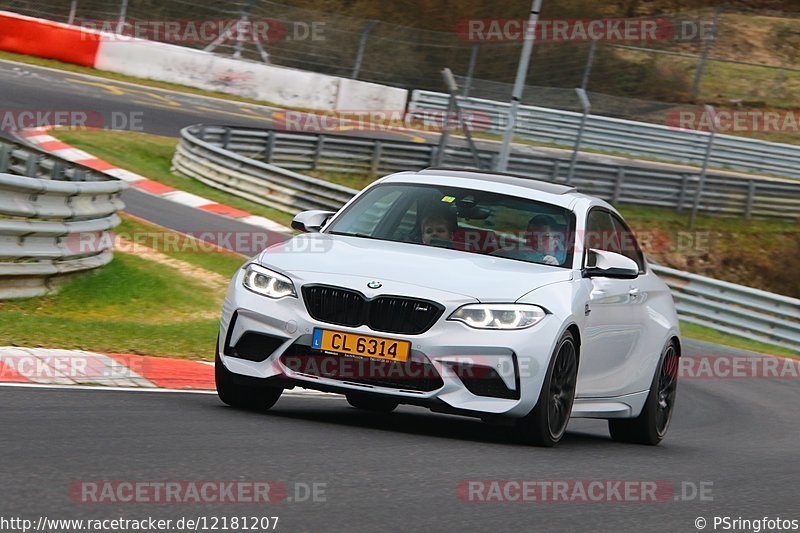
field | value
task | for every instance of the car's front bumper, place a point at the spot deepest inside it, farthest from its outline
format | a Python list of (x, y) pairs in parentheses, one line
[(518, 358)]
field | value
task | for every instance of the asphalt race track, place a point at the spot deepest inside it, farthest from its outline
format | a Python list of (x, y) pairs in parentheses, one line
[(397, 472), (210, 227), (735, 437)]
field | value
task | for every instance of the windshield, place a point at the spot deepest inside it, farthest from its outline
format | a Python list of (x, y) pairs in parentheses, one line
[(467, 220)]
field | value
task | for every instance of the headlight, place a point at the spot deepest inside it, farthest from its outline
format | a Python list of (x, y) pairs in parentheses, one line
[(499, 316), (267, 283)]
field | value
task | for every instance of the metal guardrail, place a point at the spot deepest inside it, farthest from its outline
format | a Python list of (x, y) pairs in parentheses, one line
[(201, 155), (734, 309), (722, 306), (54, 220), (629, 137), (255, 163)]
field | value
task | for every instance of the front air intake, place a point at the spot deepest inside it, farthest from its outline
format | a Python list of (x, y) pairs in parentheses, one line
[(389, 314)]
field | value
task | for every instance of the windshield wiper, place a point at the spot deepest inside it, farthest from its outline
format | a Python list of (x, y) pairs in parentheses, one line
[(345, 234)]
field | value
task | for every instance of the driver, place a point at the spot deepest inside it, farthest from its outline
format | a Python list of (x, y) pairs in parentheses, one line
[(545, 239), (544, 243)]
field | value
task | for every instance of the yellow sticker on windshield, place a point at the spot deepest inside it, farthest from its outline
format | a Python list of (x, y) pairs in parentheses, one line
[(449, 199)]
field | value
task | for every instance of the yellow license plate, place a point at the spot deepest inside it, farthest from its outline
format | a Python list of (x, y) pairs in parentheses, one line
[(364, 345)]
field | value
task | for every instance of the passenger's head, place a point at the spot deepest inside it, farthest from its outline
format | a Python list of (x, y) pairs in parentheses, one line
[(544, 233), (437, 227)]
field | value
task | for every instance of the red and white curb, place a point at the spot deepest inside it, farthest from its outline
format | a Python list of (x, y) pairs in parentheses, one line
[(82, 369), (40, 138), (76, 367)]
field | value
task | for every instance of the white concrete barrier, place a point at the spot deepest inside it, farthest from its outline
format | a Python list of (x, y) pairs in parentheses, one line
[(204, 70), (194, 68), (362, 95), (278, 85)]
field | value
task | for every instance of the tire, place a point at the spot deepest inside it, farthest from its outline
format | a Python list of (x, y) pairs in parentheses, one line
[(374, 404), (257, 398), (546, 424), (652, 424)]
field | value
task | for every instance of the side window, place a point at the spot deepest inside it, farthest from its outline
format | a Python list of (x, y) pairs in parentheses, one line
[(630, 248), (600, 232)]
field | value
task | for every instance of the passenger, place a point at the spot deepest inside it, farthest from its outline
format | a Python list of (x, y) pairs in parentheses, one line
[(437, 229)]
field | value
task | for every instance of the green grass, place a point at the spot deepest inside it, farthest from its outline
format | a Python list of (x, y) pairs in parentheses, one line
[(769, 86), (130, 306), (694, 331), (151, 156)]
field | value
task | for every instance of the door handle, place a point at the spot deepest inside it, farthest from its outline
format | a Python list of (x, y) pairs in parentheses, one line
[(634, 292)]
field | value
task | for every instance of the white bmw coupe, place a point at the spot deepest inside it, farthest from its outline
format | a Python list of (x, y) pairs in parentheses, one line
[(514, 300)]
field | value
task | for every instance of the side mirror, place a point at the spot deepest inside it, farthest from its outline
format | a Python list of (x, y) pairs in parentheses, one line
[(311, 221), (604, 264)]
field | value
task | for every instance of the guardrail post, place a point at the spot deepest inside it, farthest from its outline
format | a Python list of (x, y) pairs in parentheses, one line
[(682, 195), (556, 165), (318, 151), (434, 156), (712, 114), (226, 138), (31, 164), (618, 185), (751, 192), (587, 107), (57, 171), (5, 157), (270, 146), (376, 158)]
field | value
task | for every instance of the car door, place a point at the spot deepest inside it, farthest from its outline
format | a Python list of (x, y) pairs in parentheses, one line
[(615, 317)]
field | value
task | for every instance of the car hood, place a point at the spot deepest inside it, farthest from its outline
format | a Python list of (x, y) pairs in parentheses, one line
[(354, 261)]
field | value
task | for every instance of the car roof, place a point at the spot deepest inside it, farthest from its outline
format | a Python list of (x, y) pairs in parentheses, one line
[(500, 177)]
